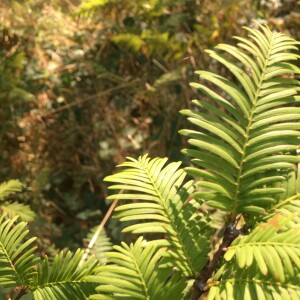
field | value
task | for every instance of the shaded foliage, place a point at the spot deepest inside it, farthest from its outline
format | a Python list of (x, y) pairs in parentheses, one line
[(85, 83)]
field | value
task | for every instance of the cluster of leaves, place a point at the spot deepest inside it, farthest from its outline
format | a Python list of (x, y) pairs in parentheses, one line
[(14, 208), (62, 277), (109, 84), (244, 158), (245, 164), (99, 72)]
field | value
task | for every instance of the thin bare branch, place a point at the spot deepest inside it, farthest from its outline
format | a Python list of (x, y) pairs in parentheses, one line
[(98, 231)]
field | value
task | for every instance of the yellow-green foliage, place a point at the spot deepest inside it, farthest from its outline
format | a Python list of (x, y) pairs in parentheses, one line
[(243, 144)]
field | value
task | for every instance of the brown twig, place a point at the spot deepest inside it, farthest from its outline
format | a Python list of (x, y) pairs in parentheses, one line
[(200, 284), (22, 292)]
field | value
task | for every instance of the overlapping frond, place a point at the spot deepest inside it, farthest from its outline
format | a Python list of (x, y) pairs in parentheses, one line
[(274, 247), (247, 284), (188, 245), (64, 278), (13, 209), (238, 151), (291, 184), (262, 265), (18, 209), (136, 274), (10, 187), (158, 195), (289, 201), (155, 186), (287, 207), (17, 259)]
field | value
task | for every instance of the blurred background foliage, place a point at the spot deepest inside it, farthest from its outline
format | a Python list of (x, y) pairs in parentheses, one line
[(85, 83)]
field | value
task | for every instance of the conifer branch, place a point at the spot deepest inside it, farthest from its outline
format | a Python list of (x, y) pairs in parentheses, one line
[(200, 286)]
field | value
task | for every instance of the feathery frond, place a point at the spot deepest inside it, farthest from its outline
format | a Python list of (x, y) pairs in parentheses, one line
[(159, 194), (17, 259), (247, 284), (287, 207), (266, 264), (18, 209), (239, 151), (14, 208), (155, 187), (291, 184), (65, 278), (10, 187), (136, 274), (273, 246)]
